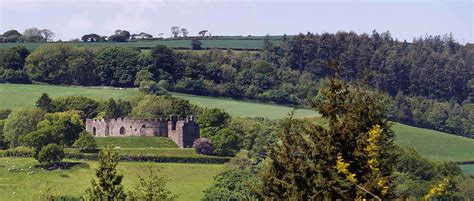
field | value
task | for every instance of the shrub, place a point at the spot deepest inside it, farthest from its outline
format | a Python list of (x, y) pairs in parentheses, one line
[(4, 113), (86, 142), (203, 146), (51, 155), (151, 87)]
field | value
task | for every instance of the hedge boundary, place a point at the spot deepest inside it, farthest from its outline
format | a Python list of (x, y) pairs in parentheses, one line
[(126, 157)]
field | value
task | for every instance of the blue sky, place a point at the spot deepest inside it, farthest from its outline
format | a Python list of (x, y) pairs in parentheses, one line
[(405, 19)]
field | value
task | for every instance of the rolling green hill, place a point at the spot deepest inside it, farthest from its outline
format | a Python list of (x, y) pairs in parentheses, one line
[(430, 144), (242, 43)]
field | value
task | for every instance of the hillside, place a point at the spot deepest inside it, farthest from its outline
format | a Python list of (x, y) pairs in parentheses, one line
[(430, 144), (237, 43)]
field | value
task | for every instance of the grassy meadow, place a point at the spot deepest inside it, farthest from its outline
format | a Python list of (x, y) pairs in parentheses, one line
[(135, 142), (188, 180), (242, 43), (25, 95)]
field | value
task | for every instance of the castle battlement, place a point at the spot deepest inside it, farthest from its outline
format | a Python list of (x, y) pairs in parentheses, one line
[(182, 131)]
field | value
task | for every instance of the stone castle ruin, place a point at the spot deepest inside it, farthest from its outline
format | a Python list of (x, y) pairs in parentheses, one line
[(182, 131)]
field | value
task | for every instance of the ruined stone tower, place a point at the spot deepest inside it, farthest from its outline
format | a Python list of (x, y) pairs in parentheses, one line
[(182, 131)]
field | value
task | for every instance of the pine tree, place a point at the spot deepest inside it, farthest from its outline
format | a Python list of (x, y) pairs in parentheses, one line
[(152, 188), (341, 160), (44, 103), (108, 185)]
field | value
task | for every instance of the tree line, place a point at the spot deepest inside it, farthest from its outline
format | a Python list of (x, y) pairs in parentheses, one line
[(434, 68)]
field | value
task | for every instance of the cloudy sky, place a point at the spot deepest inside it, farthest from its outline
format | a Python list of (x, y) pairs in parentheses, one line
[(405, 19)]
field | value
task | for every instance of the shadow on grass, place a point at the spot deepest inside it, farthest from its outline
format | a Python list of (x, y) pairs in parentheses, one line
[(65, 166)]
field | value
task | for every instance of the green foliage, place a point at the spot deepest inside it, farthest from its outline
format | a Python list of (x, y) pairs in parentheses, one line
[(213, 118), (109, 182), (62, 64), (51, 155), (151, 188), (416, 176), (67, 125), (81, 103), (59, 128), (117, 109), (44, 103), (143, 75), (346, 152), (151, 87), (4, 113), (117, 66), (86, 142), (151, 107), (3, 142), (225, 142), (21, 122), (195, 44), (232, 184), (165, 64)]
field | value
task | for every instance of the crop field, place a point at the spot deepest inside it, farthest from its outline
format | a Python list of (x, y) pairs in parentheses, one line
[(428, 143), (187, 180), (183, 43)]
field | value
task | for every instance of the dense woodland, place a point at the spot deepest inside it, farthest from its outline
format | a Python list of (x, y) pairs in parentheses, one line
[(431, 79)]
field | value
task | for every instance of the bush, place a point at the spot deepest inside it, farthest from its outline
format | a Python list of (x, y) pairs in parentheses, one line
[(151, 87), (51, 155), (226, 142), (4, 113), (203, 146), (86, 142)]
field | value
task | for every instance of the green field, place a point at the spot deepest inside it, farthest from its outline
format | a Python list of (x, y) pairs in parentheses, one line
[(136, 142), (467, 169), (183, 43), (430, 144), (435, 145), (25, 95), (188, 180)]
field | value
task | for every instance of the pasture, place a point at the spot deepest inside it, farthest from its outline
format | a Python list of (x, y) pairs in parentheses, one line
[(188, 180), (25, 95), (135, 142), (428, 143), (242, 43)]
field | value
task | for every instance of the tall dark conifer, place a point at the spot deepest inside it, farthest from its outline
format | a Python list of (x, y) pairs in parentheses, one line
[(350, 157)]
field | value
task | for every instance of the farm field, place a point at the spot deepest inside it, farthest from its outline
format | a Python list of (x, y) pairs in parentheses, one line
[(184, 43), (188, 180), (428, 143), (135, 142), (25, 95)]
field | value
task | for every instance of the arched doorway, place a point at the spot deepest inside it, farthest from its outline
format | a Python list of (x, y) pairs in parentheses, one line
[(122, 131), (94, 131)]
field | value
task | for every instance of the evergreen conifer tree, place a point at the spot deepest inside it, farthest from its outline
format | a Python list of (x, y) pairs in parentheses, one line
[(351, 157), (108, 185), (44, 103)]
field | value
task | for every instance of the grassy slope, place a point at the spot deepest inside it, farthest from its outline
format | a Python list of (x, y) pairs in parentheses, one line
[(25, 95), (434, 144), (215, 43), (188, 180), (136, 142), (429, 143)]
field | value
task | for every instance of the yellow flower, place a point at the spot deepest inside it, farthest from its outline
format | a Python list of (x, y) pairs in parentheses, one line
[(342, 167)]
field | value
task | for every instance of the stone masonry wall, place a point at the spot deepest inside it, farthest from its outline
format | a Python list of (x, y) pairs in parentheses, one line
[(182, 132)]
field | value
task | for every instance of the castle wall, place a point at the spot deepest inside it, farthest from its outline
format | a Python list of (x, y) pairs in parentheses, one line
[(182, 132)]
